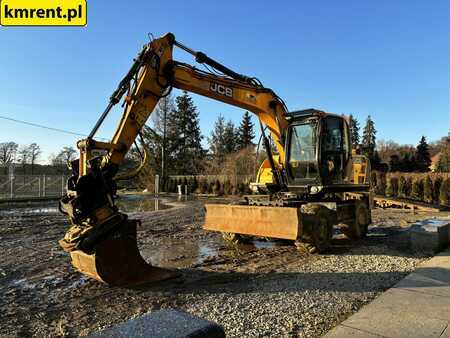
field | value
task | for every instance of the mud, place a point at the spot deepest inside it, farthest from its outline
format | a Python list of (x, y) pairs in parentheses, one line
[(42, 295)]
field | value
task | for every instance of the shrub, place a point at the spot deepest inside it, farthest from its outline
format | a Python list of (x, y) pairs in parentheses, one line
[(211, 187), (437, 188), (192, 185), (373, 180), (402, 187), (392, 187), (227, 188), (247, 190), (417, 189), (381, 184), (408, 186), (217, 188), (203, 186), (428, 190), (170, 185), (443, 194), (240, 188)]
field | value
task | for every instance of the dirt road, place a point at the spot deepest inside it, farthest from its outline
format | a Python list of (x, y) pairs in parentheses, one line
[(262, 289)]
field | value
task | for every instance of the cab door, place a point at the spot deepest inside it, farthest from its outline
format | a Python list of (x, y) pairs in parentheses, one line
[(334, 150)]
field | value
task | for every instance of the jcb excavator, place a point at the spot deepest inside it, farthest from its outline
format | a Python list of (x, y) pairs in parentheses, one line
[(299, 194)]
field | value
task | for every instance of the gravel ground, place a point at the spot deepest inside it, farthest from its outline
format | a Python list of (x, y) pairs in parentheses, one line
[(262, 289)]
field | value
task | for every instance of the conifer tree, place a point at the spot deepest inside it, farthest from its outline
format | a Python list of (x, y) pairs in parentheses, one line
[(444, 192), (389, 188), (246, 134), (417, 190), (230, 138), (402, 187), (217, 139), (444, 160), (354, 130), (223, 139), (423, 159), (184, 137), (369, 138), (428, 190)]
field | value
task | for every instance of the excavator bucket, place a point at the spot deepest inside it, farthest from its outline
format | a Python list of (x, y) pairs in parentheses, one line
[(117, 261), (273, 222)]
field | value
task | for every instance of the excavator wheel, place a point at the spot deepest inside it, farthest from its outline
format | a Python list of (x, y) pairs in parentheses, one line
[(317, 229), (358, 228), (116, 260)]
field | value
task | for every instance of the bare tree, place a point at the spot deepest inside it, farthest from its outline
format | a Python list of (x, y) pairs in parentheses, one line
[(23, 157), (8, 152), (34, 153), (159, 118), (65, 156)]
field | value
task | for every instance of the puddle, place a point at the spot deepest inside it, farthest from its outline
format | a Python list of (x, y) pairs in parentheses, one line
[(173, 253), (140, 203), (178, 253), (29, 211), (261, 244), (126, 203)]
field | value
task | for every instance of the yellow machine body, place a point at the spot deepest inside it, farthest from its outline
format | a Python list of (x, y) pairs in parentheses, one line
[(102, 241)]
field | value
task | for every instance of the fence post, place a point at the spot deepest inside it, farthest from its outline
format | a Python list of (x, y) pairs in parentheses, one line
[(62, 185), (156, 184), (39, 186), (43, 185), (12, 188)]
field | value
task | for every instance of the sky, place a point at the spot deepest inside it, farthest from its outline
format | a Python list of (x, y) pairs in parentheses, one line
[(389, 59)]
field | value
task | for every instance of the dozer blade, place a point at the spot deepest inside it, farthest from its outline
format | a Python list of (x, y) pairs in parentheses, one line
[(117, 261), (275, 222)]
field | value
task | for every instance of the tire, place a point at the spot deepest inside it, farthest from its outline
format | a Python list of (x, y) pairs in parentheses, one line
[(358, 228), (317, 229)]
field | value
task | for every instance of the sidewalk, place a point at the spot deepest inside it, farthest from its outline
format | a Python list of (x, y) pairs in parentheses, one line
[(418, 306)]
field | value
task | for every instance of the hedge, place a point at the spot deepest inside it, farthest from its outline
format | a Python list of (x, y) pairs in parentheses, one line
[(428, 188)]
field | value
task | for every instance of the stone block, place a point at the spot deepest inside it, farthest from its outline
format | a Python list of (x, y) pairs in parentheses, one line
[(164, 323), (430, 235)]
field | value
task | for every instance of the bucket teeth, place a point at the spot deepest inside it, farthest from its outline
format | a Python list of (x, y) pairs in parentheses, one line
[(116, 261), (274, 222)]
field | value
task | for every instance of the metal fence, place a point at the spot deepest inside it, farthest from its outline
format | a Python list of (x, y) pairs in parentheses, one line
[(32, 186)]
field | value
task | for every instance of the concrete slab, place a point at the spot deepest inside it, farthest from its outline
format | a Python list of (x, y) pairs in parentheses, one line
[(426, 282), (446, 333), (402, 313), (345, 331), (418, 306)]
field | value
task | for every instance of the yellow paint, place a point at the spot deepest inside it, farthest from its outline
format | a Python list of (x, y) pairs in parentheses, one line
[(265, 174), (43, 12)]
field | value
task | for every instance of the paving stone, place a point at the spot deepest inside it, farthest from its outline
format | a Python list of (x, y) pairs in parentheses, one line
[(403, 313)]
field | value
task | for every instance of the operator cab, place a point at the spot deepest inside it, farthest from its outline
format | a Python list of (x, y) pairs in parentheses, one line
[(318, 149)]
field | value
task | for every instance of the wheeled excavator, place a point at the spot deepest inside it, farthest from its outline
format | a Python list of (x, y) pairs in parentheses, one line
[(310, 181)]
